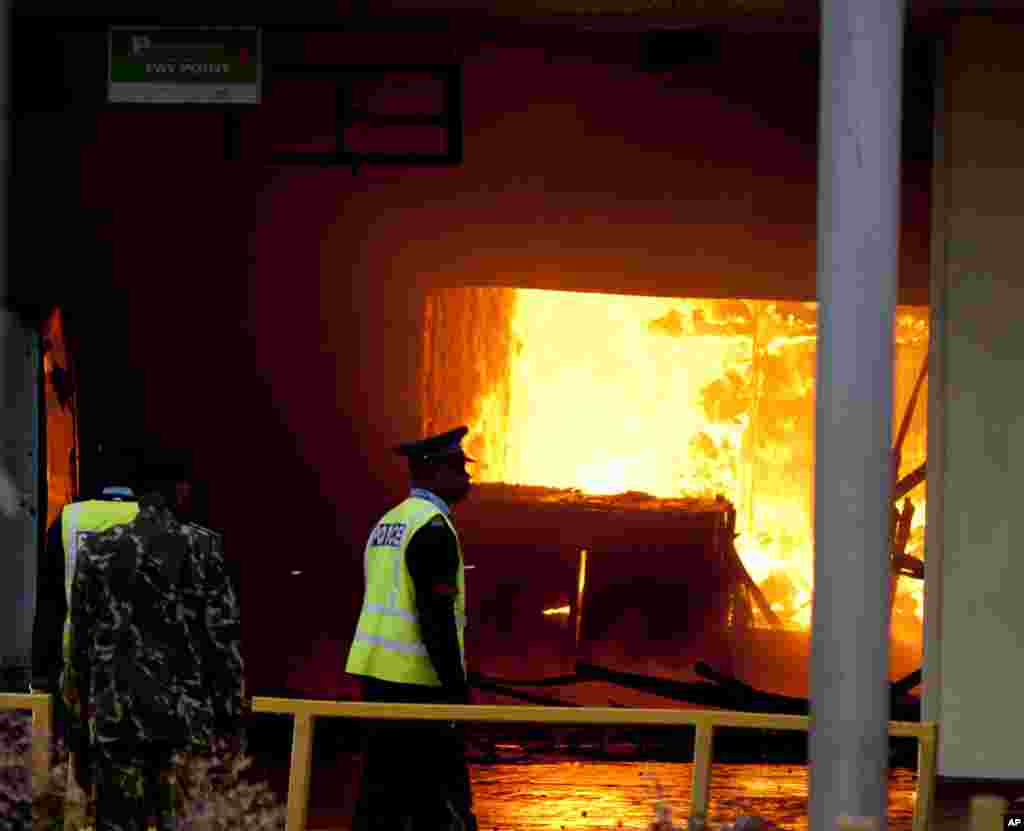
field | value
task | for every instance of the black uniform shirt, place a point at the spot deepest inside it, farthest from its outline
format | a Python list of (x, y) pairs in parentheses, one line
[(432, 558)]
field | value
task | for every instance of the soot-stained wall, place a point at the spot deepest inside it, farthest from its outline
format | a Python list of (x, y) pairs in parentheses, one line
[(467, 342), (270, 319)]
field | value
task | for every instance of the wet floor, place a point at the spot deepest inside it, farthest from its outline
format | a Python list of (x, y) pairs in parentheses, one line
[(589, 795), (580, 796)]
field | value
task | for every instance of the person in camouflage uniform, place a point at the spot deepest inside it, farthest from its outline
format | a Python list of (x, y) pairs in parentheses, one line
[(156, 667)]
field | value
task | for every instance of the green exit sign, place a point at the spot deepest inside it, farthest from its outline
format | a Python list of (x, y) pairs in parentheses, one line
[(177, 65)]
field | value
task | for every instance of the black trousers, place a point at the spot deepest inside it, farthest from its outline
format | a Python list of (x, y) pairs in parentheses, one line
[(414, 774)]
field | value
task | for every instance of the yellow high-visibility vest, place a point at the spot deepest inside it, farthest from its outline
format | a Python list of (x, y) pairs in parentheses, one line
[(80, 520), (388, 643)]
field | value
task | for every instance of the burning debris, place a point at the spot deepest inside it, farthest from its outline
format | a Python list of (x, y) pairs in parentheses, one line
[(546, 498)]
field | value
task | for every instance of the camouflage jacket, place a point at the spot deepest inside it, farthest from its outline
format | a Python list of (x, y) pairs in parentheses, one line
[(155, 652)]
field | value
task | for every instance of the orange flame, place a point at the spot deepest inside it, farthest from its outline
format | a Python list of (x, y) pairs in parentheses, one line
[(609, 394)]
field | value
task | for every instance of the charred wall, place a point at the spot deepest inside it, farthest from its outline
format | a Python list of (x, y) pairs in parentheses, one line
[(467, 341)]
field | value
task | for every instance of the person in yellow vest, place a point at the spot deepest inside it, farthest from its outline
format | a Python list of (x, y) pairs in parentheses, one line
[(51, 644), (56, 569), (409, 646)]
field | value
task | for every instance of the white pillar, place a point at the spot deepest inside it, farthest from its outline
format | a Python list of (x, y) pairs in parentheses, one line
[(938, 335), (858, 223)]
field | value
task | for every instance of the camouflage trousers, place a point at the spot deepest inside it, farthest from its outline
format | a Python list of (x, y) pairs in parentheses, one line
[(133, 788)]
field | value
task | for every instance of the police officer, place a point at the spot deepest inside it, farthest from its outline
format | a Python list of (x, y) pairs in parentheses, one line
[(409, 647)]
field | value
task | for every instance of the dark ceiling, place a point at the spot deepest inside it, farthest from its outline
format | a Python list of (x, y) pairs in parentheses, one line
[(610, 15)]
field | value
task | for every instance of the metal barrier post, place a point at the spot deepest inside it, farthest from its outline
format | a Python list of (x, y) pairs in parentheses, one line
[(986, 812), (925, 779), (42, 735), (41, 707), (298, 775), (701, 786)]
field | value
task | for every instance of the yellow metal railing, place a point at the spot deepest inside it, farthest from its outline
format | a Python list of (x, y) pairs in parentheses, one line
[(42, 729), (305, 712)]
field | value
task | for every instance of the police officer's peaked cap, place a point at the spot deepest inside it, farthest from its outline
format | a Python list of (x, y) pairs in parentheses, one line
[(436, 448)]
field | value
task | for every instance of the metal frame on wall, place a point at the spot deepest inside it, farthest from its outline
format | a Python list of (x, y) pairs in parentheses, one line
[(81, 50), (449, 119)]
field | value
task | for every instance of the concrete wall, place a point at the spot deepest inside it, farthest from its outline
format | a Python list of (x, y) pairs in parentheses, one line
[(982, 563), (18, 454)]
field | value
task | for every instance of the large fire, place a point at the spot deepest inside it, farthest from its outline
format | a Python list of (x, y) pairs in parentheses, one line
[(609, 394)]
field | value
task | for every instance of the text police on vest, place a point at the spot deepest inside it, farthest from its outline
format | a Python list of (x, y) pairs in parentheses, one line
[(389, 535)]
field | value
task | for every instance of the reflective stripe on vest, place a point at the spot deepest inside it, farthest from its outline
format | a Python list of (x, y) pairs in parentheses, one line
[(388, 643), (80, 520)]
